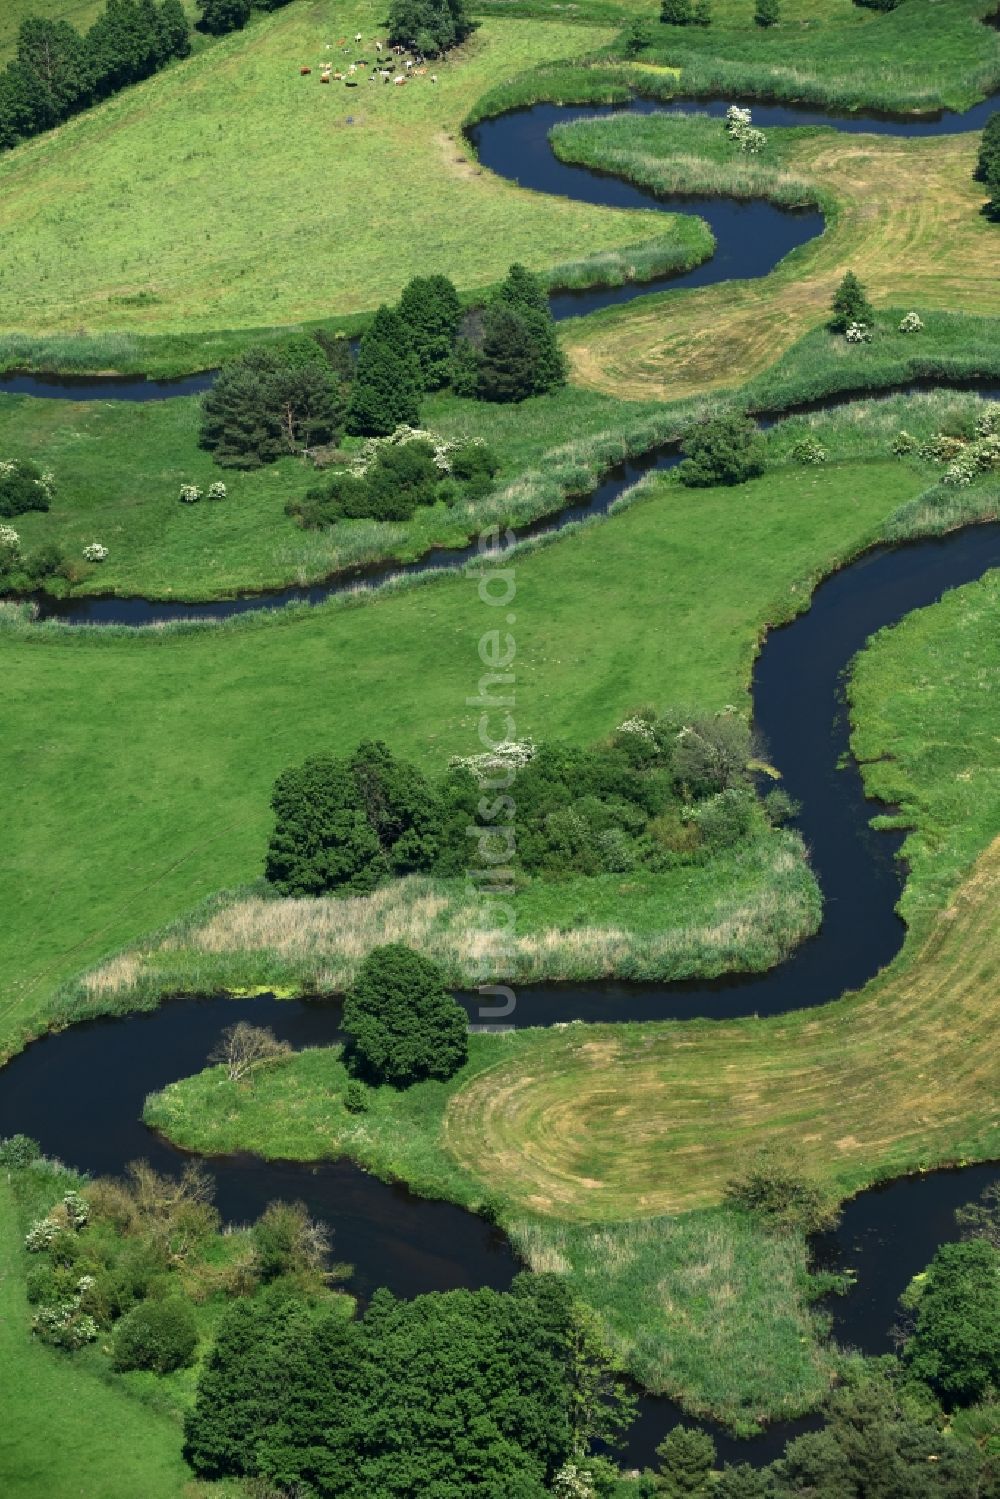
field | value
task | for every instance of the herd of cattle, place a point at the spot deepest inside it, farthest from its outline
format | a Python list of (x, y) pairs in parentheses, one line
[(413, 67)]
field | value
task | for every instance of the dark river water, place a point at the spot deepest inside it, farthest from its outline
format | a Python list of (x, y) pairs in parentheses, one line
[(81, 1092)]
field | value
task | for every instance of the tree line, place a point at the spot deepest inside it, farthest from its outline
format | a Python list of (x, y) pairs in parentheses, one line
[(57, 72)]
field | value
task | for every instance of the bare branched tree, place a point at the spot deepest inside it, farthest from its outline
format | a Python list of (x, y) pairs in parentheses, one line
[(242, 1047)]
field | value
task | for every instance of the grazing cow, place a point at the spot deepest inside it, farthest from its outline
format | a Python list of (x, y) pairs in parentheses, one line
[(325, 78), (304, 72), (353, 68), (338, 76), (399, 80), (419, 72), (434, 78), (357, 36), (407, 65), (378, 46)]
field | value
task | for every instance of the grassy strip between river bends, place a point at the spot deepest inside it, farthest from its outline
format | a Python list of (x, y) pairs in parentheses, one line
[(743, 911), (706, 1307)]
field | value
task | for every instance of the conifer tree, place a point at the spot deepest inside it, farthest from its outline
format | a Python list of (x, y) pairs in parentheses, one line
[(687, 1456), (431, 312), (850, 305), (385, 392)]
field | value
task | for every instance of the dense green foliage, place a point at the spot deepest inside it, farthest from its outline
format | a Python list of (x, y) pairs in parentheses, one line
[(955, 1347), (444, 1395), (723, 450), (430, 309), (220, 16), (401, 477), (157, 1335), (428, 26), (23, 487), (686, 1458), (850, 305), (401, 1023), (57, 71), (268, 403), (518, 354), (345, 823), (387, 379), (767, 13), (781, 1196)]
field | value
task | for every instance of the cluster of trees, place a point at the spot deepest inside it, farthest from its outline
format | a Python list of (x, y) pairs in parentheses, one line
[(450, 1394), (220, 16), (274, 400), (665, 791), (402, 477), (428, 26), (988, 164), (686, 12), (57, 72)]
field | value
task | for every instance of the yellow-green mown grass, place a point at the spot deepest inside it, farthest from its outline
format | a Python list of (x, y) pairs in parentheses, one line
[(907, 221), (229, 192)]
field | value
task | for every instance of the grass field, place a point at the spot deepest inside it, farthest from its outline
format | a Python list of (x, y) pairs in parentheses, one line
[(142, 767), (903, 214), (323, 200), (65, 1431)]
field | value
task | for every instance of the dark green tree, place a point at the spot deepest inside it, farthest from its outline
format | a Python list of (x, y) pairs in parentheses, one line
[(744, 1482), (463, 372), (431, 313), (638, 35), (322, 840), (428, 26), (175, 33), (992, 206), (519, 354), (850, 305), (702, 14), (56, 61), (677, 12), (956, 1346), (125, 44), (263, 407), (725, 450), (22, 105), (22, 488), (157, 1335), (401, 1023), (385, 393), (687, 1457), (767, 13), (988, 161), (220, 16)]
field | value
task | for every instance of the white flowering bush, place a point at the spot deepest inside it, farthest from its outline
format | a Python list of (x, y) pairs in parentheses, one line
[(978, 457), (10, 541), (95, 552), (65, 1325), (442, 446), (858, 333), (190, 494), (217, 491), (911, 323), (903, 443), (941, 448), (988, 425), (573, 1482), (509, 755), (46, 481), (77, 1209), (740, 130), (809, 450), (40, 1235), (640, 727)]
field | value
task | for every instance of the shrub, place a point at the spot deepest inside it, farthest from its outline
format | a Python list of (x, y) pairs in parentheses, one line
[(858, 333), (809, 450), (771, 1189), (157, 1335), (911, 323), (190, 494), (850, 305), (402, 1024), (23, 487), (902, 444), (638, 36), (64, 1324), (18, 1151), (219, 16), (288, 1242), (767, 13), (726, 819), (356, 1097), (724, 450), (217, 491), (676, 12), (702, 14), (96, 551)]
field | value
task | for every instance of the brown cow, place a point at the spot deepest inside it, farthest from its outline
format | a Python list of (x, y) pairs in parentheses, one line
[(304, 72)]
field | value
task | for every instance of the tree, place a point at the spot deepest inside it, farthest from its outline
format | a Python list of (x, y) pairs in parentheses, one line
[(988, 161), (402, 1024), (687, 1456), (220, 16), (955, 1347), (723, 450), (428, 26), (850, 305), (286, 1241), (677, 12), (157, 1335), (767, 13), (638, 36), (744, 1482), (243, 1046), (431, 312), (23, 487), (386, 388), (56, 63), (702, 14), (981, 1220), (519, 355), (175, 32), (264, 406)]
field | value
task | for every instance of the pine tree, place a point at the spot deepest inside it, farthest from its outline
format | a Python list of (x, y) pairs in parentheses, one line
[(850, 305), (687, 1457), (519, 354), (431, 312), (989, 149), (385, 392)]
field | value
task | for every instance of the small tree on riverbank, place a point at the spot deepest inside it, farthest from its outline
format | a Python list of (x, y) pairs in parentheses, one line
[(402, 1024), (851, 305), (725, 450)]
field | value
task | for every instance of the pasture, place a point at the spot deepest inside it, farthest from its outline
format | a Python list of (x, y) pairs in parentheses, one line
[(142, 766), (236, 194)]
